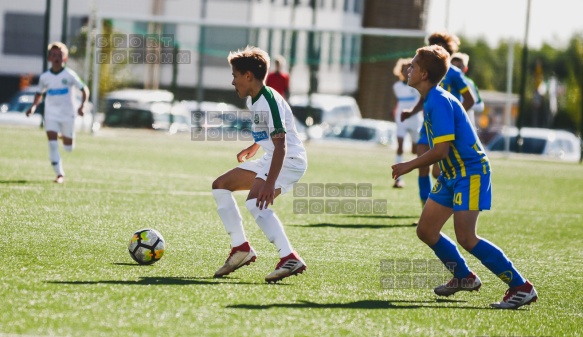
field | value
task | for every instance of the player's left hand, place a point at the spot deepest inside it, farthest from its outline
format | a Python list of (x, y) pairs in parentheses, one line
[(266, 196), (81, 111)]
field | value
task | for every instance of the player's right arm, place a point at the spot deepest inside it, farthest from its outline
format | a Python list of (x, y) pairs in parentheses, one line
[(35, 103), (410, 112), (248, 152), (438, 152)]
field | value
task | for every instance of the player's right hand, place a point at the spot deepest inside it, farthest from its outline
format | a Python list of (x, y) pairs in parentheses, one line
[(246, 154), (29, 112)]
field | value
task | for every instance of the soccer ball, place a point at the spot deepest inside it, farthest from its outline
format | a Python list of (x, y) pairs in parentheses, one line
[(146, 246)]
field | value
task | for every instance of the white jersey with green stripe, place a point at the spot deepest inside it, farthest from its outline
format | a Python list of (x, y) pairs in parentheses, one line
[(60, 101), (273, 115)]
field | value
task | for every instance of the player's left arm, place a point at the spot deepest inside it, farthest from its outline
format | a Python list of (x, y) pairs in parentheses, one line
[(437, 153), (468, 99), (267, 193), (84, 99)]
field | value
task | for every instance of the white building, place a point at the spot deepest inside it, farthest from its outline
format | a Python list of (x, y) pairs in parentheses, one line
[(255, 22)]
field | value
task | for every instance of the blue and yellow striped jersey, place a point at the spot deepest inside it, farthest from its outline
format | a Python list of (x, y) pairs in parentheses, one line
[(455, 82), (446, 121)]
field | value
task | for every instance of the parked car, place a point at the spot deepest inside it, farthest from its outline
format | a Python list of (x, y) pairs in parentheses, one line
[(548, 143), (215, 114), (321, 112), (366, 130), (14, 111), (224, 115), (150, 109)]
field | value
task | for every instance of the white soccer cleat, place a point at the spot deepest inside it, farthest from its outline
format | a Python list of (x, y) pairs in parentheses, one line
[(516, 297), (469, 283), (240, 256), (287, 266), (60, 179)]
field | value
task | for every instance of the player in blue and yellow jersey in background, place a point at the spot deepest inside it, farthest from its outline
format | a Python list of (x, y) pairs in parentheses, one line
[(463, 188)]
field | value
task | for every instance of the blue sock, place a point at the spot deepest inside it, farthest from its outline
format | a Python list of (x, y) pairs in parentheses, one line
[(424, 188), (446, 250), (494, 259)]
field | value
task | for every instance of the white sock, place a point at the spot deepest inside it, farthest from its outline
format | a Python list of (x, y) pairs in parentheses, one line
[(230, 215), (398, 160), (55, 157), (69, 148), (271, 226)]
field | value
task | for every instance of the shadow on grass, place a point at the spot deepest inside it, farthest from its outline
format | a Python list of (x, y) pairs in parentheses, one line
[(16, 182), (160, 281), (365, 304), (333, 225), (383, 216)]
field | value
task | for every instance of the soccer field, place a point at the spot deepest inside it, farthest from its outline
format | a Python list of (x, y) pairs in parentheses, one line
[(66, 270)]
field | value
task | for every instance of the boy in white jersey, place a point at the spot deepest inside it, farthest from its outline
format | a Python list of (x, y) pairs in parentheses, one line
[(282, 165), (59, 116), (407, 97)]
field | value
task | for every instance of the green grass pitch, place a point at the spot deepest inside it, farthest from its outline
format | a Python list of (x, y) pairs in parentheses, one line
[(66, 270)]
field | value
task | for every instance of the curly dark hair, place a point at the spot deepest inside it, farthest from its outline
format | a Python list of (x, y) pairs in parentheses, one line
[(448, 41)]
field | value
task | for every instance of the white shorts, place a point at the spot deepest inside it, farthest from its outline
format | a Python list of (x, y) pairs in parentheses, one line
[(411, 125), (292, 170), (64, 126)]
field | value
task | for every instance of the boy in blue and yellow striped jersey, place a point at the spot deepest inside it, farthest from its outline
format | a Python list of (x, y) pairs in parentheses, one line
[(463, 188)]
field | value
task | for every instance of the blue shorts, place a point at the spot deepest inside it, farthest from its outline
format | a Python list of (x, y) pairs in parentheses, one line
[(471, 193), (423, 136)]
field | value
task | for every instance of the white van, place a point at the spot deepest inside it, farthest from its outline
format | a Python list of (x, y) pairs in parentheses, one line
[(321, 112)]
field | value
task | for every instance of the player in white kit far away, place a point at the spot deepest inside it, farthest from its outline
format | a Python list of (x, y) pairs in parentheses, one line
[(60, 107)]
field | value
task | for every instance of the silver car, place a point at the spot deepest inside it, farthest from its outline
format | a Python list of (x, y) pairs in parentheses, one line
[(547, 143)]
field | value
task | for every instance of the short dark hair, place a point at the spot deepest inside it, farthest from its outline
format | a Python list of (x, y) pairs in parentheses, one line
[(251, 59), (434, 60), (450, 42)]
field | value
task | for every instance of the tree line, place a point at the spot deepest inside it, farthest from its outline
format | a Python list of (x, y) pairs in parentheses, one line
[(554, 79)]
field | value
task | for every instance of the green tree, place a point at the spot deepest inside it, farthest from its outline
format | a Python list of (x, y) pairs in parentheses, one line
[(111, 76), (574, 59)]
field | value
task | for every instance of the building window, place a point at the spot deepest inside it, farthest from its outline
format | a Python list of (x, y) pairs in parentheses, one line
[(357, 6), (331, 51), (346, 5), (219, 41), (19, 27), (354, 51), (343, 50)]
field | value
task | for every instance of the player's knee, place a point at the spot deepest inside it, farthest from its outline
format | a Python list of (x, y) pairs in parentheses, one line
[(421, 233), (467, 242), (251, 205), (216, 185), (425, 235), (219, 183)]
